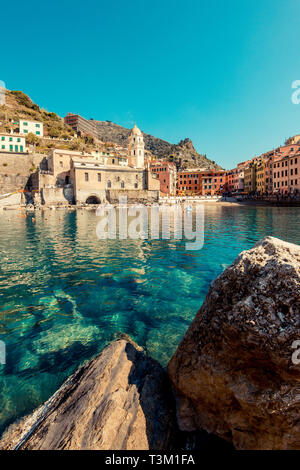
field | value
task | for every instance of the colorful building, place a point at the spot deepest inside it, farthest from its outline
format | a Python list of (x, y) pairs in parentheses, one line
[(213, 182), (189, 182), (286, 175), (235, 180), (250, 178), (167, 175), (260, 177)]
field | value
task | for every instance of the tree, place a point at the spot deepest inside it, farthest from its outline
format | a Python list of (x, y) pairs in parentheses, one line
[(32, 139)]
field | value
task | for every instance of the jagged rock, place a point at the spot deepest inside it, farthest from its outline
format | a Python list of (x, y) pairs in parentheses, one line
[(122, 399), (184, 152), (233, 371)]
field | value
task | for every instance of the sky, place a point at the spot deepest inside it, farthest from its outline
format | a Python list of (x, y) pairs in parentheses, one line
[(219, 72)]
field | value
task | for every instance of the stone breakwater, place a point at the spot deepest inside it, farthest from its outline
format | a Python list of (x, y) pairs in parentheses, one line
[(232, 374)]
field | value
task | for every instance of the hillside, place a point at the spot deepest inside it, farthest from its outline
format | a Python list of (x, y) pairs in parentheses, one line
[(183, 153), (59, 135), (20, 106)]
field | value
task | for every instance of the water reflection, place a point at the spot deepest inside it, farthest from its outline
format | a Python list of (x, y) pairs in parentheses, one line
[(64, 294)]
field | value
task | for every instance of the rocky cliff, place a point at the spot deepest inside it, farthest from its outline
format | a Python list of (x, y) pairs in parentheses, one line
[(233, 372), (183, 153)]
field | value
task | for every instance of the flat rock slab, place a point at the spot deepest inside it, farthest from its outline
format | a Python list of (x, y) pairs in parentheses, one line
[(120, 400), (233, 371)]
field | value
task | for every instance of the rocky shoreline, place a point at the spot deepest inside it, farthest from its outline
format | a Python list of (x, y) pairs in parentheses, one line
[(232, 375)]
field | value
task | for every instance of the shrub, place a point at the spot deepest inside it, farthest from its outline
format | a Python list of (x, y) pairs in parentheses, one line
[(22, 99)]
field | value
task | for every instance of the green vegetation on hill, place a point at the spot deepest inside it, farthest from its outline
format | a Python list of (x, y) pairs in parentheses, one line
[(19, 106)]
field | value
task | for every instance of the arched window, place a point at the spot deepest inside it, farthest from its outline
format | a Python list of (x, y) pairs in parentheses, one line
[(122, 185), (109, 184)]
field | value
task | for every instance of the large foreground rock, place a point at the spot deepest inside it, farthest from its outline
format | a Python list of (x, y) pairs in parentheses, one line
[(233, 370), (120, 400)]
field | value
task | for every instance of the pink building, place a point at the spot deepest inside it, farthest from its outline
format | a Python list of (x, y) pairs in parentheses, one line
[(286, 174), (235, 179), (167, 176)]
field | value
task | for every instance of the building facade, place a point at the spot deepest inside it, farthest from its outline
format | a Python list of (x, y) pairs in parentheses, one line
[(250, 178), (235, 180), (79, 124), (33, 127), (213, 182), (260, 177), (189, 182), (167, 175), (12, 143), (286, 174)]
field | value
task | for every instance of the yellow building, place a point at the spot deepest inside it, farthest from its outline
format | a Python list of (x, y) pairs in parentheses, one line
[(250, 178), (260, 177)]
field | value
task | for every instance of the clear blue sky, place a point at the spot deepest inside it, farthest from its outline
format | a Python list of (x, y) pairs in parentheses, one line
[(217, 71)]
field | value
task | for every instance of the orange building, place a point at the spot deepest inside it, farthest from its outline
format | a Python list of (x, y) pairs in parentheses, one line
[(189, 182), (213, 182)]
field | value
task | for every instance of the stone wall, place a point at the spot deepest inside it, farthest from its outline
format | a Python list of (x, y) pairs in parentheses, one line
[(15, 170), (143, 195), (56, 195)]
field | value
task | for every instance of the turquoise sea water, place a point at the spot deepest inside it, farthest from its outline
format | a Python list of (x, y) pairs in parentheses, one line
[(65, 294)]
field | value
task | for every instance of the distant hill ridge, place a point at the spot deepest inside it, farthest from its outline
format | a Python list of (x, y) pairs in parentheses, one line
[(19, 106), (183, 152)]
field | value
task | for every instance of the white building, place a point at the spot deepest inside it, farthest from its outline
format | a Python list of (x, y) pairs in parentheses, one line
[(27, 127), (136, 148), (12, 143)]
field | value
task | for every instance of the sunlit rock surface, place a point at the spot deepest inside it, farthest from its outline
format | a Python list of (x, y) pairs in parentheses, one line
[(120, 400), (233, 371)]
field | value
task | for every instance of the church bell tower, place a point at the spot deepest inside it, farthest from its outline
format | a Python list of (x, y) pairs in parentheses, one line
[(136, 148)]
